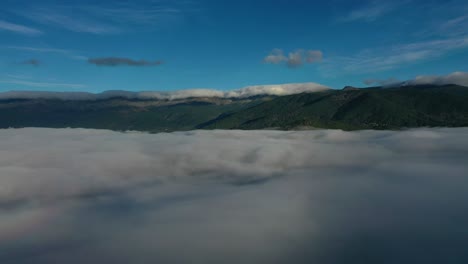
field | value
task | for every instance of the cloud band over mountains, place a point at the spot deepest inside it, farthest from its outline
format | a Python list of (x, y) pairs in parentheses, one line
[(278, 90), (457, 78)]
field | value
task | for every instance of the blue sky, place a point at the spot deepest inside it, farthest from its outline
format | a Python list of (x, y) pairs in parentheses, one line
[(167, 45)]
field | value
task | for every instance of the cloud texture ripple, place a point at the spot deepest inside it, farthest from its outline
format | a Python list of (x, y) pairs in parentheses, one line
[(324, 196)]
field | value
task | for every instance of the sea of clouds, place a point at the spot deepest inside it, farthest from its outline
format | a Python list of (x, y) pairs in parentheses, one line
[(322, 196)]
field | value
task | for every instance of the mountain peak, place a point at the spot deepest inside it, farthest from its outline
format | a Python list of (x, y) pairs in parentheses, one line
[(350, 88)]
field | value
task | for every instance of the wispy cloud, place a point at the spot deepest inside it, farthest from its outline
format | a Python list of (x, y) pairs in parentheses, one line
[(447, 19), (36, 49), (455, 22), (28, 81), (20, 29), (294, 59), (457, 26), (115, 61), (381, 59), (68, 53), (442, 35), (71, 21), (370, 11), (43, 84), (103, 19), (155, 12)]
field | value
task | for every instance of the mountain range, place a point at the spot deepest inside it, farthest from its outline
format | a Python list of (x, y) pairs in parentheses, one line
[(351, 108)]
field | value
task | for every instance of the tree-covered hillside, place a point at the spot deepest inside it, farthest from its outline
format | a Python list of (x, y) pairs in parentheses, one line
[(371, 108)]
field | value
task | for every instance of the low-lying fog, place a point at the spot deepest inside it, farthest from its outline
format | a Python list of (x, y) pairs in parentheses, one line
[(325, 196)]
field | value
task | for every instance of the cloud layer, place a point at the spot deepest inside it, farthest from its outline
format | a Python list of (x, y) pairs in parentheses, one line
[(325, 196), (115, 61), (294, 59), (458, 78), (279, 90)]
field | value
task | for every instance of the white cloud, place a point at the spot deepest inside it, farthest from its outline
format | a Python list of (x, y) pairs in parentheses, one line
[(20, 29), (43, 164), (314, 56), (294, 59), (276, 56), (92, 196), (459, 78), (181, 94), (281, 89)]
